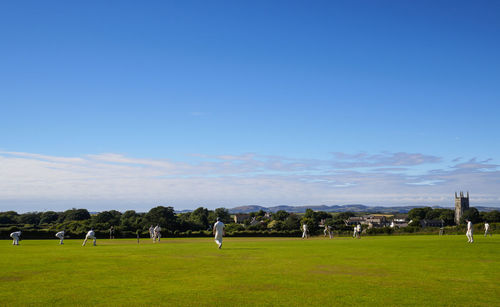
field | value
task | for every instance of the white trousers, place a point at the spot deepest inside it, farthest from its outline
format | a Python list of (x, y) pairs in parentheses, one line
[(61, 239), (15, 240), (470, 237), (218, 238), (304, 234), (89, 237)]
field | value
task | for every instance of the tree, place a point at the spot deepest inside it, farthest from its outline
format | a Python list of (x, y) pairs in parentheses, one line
[(491, 217), (260, 213), (108, 217), (280, 215), (223, 215), (418, 213), (75, 215), (49, 217), (9, 217), (292, 222), (199, 218), (471, 214), (30, 218), (448, 217), (275, 225), (163, 216), (312, 226)]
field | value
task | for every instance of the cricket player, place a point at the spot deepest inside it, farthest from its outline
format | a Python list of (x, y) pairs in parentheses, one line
[(487, 229), (355, 233), (90, 235), (151, 232), (469, 232), (15, 237), (219, 231), (305, 232), (328, 231), (358, 231), (157, 233), (60, 235)]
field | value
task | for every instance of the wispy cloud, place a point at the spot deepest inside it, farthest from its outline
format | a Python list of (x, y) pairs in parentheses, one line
[(114, 180)]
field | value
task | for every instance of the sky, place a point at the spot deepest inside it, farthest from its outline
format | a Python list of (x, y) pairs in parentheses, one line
[(129, 105)]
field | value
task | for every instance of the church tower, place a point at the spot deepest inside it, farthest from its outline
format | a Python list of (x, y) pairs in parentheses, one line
[(461, 204)]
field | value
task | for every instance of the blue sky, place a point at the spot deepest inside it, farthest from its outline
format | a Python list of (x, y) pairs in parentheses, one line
[(260, 102)]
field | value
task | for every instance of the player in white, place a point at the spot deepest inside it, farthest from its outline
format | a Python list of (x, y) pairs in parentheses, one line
[(358, 231), (305, 232), (157, 233), (151, 232), (469, 232), (328, 231), (90, 235), (60, 235), (487, 229), (15, 237), (355, 233), (219, 231)]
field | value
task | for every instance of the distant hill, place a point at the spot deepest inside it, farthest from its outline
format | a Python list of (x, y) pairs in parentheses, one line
[(337, 208), (341, 208)]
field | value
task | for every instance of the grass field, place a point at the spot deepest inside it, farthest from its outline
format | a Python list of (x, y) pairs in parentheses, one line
[(385, 270)]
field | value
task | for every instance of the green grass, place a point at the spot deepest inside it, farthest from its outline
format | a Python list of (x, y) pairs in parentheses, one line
[(385, 270)]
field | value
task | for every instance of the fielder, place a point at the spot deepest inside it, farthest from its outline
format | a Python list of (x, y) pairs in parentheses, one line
[(219, 231), (328, 231), (358, 231), (15, 237), (157, 233), (305, 232), (355, 233), (151, 232), (469, 232), (487, 229), (90, 235), (60, 235)]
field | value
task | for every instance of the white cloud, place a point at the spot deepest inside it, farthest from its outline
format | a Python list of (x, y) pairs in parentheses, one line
[(102, 181)]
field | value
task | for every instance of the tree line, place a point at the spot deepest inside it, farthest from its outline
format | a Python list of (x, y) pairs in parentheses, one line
[(199, 222)]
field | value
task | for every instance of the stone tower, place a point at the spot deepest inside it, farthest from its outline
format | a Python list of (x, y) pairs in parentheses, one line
[(461, 204)]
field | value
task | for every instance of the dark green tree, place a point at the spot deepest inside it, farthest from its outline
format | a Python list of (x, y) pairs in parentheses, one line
[(471, 214), (491, 217), (280, 215), (223, 215), (75, 215), (292, 222), (9, 217), (49, 217), (418, 213), (30, 218), (163, 216)]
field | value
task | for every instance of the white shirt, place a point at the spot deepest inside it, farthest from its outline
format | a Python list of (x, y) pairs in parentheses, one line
[(15, 234), (358, 228), (91, 233), (304, 227), (60, 234), (486, 226), (469, 226), (219, 227), (157, 229)]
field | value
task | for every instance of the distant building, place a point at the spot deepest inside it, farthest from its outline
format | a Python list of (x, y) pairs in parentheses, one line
[(355, 220), (372, 220), (240, 218), (461, 204), (377, 220), (431, 223)]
